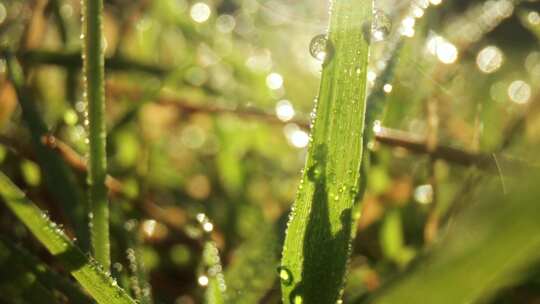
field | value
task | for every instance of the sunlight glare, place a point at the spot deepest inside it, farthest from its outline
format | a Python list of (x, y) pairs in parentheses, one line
[(200, 12), (284, 110)]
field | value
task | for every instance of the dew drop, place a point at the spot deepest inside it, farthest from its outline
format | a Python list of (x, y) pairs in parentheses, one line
[(208, 227), (319, 47), (285, 275), (519, 92), (203, 280), (314, 172), (118, 267), (317, 173), (380, 26), (387, 88), (424, 194), (489, 59)]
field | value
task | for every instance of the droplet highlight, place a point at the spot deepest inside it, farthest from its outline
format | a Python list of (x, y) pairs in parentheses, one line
[(318, 47), (380, 26), (285, 275), (519, 92), (489, 59)]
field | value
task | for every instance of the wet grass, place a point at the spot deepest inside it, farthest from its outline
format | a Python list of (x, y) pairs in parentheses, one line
[(88, 272), (319, 233), (477, 245), (94, 93)]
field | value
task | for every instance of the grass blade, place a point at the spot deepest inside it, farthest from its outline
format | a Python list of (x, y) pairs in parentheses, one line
[(94, 88), (216, 282), (88, 272), (211, 270), (316, 248), (59, 179), (490, 246), (252, 270)]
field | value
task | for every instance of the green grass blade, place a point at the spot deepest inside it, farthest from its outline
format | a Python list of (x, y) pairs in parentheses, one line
[(488, 247), (94, 88), (316, 248), (252, 270), (86, 271), (59, 179), (376, 100)]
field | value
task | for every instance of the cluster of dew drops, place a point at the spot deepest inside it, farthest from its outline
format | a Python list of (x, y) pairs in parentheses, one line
[(65, 242), (214, 269), (286, 278), (320, 48), (140, 289)]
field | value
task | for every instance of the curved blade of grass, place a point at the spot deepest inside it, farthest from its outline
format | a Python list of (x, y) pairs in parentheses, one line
[(490, 246), (59, 179), (316, 248), (86, 271), (47, 277), (376, 100), (94, 89), (252, 271)]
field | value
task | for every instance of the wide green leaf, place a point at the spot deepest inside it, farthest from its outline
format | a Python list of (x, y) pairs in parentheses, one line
[(489, 246)]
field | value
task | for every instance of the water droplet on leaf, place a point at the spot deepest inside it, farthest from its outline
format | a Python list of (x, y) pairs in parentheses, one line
[(285, 275), (319, 48), (380, 26)]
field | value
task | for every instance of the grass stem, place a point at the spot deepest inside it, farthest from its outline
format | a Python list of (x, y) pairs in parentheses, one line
[(94, 92)]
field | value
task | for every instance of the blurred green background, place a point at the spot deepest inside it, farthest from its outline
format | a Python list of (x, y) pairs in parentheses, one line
[(208, 106)]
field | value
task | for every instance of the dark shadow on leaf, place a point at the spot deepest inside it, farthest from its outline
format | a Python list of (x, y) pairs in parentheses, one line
[(325, 254), (72, 259)]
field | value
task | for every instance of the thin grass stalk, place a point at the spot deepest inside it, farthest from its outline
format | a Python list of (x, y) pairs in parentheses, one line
[(138, 276), (317, 243), (94, 92)]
